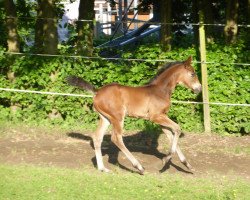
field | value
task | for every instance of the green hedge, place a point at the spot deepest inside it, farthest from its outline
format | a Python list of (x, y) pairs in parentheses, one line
[(227, 83)]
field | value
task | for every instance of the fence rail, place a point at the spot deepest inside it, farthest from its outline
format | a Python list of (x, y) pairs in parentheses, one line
[(122, 59), (91, 96)]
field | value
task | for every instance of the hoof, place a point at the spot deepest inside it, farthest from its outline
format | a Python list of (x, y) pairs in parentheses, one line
[(105, 170), (141, 171), (140, 168), (188, 166)]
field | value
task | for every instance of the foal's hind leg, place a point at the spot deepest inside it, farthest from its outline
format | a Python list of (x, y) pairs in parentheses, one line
[(97, 139), (178, 150), (117, 139)]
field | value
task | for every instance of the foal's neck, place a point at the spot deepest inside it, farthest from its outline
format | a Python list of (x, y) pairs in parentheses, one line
[(167, 81)]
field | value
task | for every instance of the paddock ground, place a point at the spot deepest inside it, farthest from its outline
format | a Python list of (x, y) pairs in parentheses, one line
[(208, 154)]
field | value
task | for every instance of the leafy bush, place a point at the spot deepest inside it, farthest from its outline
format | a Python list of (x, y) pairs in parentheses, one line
[(227, 83)]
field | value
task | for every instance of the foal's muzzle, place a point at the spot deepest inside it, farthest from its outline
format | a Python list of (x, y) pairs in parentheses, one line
[(197, 88)]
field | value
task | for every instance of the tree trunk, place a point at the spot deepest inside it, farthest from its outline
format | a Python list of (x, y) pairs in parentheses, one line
[(231, 28), (209, 19), (50, 28), (195, 17), (248, 11), (13, 41), (39, 27), (46, 37), (166, 29), (207, 8), (85, 29)]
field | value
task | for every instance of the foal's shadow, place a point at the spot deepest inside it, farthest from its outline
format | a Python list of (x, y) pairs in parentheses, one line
[(178, 168), (143, 142)]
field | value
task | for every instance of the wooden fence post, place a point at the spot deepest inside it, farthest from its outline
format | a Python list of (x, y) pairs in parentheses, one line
[(205, 97)]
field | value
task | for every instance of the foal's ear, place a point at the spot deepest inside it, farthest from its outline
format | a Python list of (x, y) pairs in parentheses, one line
[(188, 61)]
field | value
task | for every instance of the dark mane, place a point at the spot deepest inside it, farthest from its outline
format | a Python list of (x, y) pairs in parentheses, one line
[(163, 69)]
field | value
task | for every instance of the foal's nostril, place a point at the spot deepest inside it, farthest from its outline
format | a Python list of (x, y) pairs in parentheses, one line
[(197, 89)]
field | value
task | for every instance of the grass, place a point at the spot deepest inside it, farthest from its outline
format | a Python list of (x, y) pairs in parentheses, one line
[(8, 129), (241, 150), (17, 127), (30, 182)]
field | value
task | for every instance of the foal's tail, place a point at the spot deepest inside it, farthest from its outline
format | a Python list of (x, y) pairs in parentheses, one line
[(80, 83)]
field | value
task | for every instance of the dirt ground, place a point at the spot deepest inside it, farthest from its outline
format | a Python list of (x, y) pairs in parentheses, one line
[(208, 154)]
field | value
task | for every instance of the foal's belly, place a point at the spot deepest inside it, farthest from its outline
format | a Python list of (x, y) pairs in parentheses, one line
[(138, 112)]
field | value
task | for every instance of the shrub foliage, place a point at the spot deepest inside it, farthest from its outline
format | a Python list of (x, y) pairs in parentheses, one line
[(228, 83)]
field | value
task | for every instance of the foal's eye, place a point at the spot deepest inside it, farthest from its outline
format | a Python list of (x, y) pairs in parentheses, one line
[(193, 74)]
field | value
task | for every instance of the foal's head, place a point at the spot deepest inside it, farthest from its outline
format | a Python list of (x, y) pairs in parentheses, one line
[(188, 77)]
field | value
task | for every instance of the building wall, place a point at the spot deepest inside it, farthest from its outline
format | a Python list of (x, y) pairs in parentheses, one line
[(103, 14)]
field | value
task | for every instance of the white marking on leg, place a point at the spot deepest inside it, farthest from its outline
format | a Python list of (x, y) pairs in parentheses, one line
[(180, 154), (175, 140), (98, 138), (178, 150)]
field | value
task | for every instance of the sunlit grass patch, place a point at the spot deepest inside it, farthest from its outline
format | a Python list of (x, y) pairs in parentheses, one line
[(29, 182), (242, 150)]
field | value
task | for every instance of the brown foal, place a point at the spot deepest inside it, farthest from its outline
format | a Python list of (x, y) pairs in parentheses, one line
[(152, 101)]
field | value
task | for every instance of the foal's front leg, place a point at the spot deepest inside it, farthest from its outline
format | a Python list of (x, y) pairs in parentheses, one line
[(164, 121), (178, 150)]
